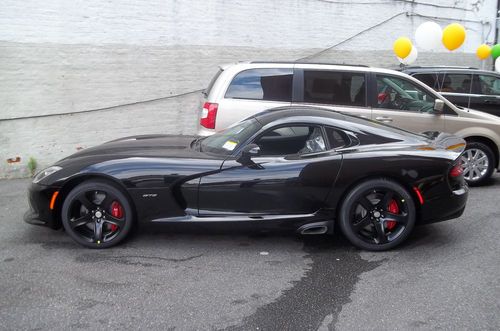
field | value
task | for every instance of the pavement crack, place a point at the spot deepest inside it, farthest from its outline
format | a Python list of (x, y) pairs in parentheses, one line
[(133, 259)]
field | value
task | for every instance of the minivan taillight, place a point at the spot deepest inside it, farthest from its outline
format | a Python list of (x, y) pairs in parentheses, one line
[(208, 115)]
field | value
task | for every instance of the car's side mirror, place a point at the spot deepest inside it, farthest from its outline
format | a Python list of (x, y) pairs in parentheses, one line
[(438, 106), (246, 154)]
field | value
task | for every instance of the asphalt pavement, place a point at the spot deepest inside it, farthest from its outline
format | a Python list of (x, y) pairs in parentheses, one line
[(446, 276)]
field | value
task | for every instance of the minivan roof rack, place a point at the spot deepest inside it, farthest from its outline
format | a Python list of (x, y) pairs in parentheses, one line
[(440, 67), (299, 62)]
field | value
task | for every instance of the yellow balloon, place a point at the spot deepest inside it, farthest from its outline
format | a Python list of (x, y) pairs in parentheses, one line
[(453, 36), (402, 47), (483, 52)]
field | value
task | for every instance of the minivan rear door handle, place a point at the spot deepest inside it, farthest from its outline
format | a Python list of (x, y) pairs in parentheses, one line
[(384, 119)]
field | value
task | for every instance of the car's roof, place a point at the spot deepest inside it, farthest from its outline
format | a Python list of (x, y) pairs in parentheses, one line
[(430, 69), (323, 116), (245, 65), (274, 114)]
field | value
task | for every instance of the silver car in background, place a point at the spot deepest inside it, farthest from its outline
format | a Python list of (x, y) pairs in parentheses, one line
[(243, 89)]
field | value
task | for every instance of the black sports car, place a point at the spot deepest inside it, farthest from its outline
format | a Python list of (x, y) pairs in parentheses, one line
[(299, 168)]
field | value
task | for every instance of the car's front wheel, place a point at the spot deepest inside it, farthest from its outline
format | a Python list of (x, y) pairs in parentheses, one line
[(377, 215), (478, 163), (96, 214)]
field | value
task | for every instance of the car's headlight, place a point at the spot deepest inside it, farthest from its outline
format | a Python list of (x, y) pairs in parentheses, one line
[(45, 172)]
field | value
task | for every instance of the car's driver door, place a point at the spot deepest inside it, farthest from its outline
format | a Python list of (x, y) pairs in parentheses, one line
[(293, 174), (403, 104)]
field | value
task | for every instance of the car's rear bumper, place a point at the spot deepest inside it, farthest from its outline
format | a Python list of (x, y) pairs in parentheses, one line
[(444, 208), (39, 213)]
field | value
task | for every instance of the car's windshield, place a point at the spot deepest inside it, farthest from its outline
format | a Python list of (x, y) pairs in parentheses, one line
[(225, 141)]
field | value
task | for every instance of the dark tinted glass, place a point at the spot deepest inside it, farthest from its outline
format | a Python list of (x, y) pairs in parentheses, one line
[(337, 138), (331, 87), (428, 79), (454, 83), (262, 84)]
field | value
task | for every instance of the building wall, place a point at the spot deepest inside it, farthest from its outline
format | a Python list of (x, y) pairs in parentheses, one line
[(75, 74)]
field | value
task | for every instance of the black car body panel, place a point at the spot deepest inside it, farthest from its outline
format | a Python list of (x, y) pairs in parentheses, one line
[(170, 179)]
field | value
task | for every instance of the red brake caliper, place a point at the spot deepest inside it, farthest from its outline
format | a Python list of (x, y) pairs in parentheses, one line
[(392, 208), (117, 212)]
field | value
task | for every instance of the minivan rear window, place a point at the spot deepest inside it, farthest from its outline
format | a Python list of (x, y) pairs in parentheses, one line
[(262, 84)]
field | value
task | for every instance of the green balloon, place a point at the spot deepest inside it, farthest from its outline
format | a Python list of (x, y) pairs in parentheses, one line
[(495, 51)]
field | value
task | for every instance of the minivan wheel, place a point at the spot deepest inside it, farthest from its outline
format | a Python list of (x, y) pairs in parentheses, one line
[(478, 163)]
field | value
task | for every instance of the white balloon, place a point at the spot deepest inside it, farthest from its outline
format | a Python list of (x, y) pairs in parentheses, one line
[(497, 64), (428, 36), (412, 57)]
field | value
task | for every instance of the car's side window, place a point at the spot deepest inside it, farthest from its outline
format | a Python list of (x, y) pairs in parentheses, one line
[(454, 83), (334, 87), (336, 138), (400, 94), (430, 80), (486, 84), (287, 140), (267, 84)]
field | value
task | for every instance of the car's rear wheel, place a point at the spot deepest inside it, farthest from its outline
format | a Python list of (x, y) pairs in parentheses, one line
[(377, 215), (478, 163), (96, 214)]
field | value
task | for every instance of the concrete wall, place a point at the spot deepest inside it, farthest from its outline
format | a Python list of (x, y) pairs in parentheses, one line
[(98, 63)]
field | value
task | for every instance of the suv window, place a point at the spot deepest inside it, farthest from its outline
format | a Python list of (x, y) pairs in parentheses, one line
[(333, 87), (262, 84), (486, 84), (455, 83), (287, 140), (401, 94), (428, 79)]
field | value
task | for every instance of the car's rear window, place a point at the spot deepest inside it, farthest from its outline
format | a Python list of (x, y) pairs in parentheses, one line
[(269, 84)]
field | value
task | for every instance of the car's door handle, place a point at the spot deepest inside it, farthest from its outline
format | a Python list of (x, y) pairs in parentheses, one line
[(384, 119), (357, 115)]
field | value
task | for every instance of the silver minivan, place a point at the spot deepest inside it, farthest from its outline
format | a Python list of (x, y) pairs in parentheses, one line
[(243, 89)]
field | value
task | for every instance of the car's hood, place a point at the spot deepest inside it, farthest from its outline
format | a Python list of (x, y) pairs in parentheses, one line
[(142, 146), (480, 115)]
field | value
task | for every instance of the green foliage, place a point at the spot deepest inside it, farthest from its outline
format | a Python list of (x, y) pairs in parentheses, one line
[(32, 166)]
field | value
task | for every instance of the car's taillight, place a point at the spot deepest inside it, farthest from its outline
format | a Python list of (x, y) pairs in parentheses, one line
[(456, 170), (209, 115)]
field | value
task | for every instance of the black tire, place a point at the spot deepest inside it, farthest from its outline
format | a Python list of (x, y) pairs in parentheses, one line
[(365, 218), (89, 221), (476, 171)]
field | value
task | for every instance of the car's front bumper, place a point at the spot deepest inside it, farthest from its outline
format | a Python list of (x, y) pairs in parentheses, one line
[(39, 198)]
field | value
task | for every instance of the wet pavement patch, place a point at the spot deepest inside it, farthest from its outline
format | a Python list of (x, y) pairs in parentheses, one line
[(322, 292)]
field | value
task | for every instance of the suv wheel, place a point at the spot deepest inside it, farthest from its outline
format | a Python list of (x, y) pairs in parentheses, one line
[(478, 163)]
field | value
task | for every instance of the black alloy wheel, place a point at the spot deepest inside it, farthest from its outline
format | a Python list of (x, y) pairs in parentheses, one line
[(377, 215), (478, 163), (96, 214)]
